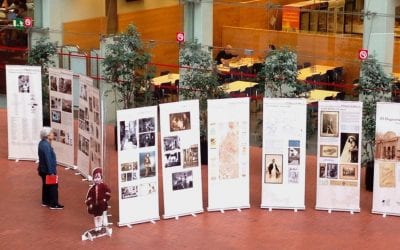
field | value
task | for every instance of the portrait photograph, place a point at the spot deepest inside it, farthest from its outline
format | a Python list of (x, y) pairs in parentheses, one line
[(349, 148), (171, 143), (293, 175), (65, 86), (322, 170), (147, 188), (67, 105), (147, 140), (56, 116), (146, 125), (53, 83), (123, 177), (348, 171), (330, 151), (387, 176), (23, 84), (332, 170), (147, 164), (191, 156), (127, 134), (179, 121), (126, 166), (172, 159), (129, 192), (293, 156), (83, 92), (55, 103), (182, 180), (329, 124), (273, 168)]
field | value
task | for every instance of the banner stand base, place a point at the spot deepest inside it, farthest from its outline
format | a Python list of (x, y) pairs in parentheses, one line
[(330, 210), (295, 209), (384, 214), (23, 159), (222, 210), (129, 225), (176, 216)]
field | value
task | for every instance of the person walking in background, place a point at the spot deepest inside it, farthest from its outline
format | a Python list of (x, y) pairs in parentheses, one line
[(48, 166)]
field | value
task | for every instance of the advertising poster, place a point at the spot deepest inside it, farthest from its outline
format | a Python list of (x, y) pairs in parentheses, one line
[(284, 153), (339, 155), (85, 87), (61, 114), (96, 130), (24, 111), (228, 153), (290, 18), (386, 195), (137, 165), (181, 166)]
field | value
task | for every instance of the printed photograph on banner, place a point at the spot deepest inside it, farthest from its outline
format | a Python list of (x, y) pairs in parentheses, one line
[(322, 170), (55, 103), (56, 116), (53, 83), (67, 105), (23, 84), (128, 137), (147, 163), (191, 156), (179, 121), (65, 86), (330, 151), (56, 133), (65, 137), (147, 188), (147, 140), (97, 118), (172, 143), (293, 175), (83, 92), (384, 147), (329, 124), (293, 156), (90, 104), (273, 168), (348, 171), (343, 183), (172, 159), (83, 144), (129, 192), (182, 180), (229, 150), (348, 148), (332, 170), (387, 175), (212, 136), (146, 125)]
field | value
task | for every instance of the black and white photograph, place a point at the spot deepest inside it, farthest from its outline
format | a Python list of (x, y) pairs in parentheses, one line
[(65, 137), (329, 124), (128, 135), (171, 143), (191, 156), (129, 192), (123, 177), (146, 125), (172, 159), (55, 103), (293, 175), (273, 168), (81, 114), (65, 86), (147, 163), (56, 116), (23, 84), (329, 151), (90, 104), (348, 148), (322, 170), (67, 105), (147, 188), (293, 156), (179, 121), (127, 166), (332, 170), (53, 83), (147, 140), (83, 144), (349, 171), (83, 92), (182, 180)]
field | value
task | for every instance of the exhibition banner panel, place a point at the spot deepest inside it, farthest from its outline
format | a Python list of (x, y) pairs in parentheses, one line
[(284, 153), (386, 195), (137, 165), (61, 114), (85, 86), (228, 153), (24, 111), (339, 155), (96, 130), (180, 139)]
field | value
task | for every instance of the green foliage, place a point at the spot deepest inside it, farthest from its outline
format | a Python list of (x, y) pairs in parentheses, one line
[(374, 86), (127, 69), (199, 79)]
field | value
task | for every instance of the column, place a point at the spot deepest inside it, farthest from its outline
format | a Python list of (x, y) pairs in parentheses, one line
[(198, 21)]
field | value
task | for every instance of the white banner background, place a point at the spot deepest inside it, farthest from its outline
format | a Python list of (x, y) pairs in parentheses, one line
[(24, 111), (137, 151), (284, 140), (228, 154), (339, 155), (386, 195), (61, 114), (180, 139), (96, 130)]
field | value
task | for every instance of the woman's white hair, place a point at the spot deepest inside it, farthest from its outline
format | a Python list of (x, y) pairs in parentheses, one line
[(44, 133)]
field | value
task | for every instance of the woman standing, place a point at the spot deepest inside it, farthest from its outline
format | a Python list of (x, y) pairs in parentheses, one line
[(48, 166)]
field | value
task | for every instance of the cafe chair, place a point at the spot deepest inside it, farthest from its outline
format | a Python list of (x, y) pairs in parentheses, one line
[(340, 96), (307, 64), (166, 92), (257, 67)]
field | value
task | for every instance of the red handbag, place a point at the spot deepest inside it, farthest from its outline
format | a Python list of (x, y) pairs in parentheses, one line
[(51, 179)]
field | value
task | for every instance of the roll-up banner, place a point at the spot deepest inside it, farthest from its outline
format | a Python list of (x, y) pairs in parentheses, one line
[(96, 130), (61, 114), (386, 195), (180, 139), (137, 165), (24, 111), (228, 154), (339, 156), (284, 153)]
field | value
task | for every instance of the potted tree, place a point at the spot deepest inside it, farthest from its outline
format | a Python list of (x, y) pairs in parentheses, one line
[(374, 86), (42, 54), (199, 80)]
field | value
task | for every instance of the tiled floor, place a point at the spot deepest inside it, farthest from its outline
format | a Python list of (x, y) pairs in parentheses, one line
[(24, 224)]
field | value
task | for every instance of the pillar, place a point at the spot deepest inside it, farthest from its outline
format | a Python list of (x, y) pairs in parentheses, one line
[(198, 21)]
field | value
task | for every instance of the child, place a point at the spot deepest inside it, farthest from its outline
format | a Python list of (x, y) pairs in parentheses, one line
[(96, 200)]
